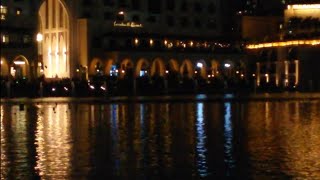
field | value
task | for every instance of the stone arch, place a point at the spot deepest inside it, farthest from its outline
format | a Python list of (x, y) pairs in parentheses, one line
[(108, 65), (96, 65), (54, 25), (21, 67), (4, 71), (186, 68), (158, 67), (125, 66), (214, 67), (173, 65), (203, 69), (142, 64)]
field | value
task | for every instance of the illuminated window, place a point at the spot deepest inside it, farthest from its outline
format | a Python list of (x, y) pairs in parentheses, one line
[(3, 12), (18, 11), (5, 38)]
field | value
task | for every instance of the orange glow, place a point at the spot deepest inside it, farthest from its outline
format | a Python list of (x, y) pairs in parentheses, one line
[(304, 6), (284, 43)]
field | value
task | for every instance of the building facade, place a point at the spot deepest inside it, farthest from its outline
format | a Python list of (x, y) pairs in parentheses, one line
[(89, 37)]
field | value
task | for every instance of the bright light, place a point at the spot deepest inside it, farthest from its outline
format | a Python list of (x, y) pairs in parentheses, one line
[(121, 13), (253, 75), (53, 89), (284, 43), (151, 42), (266, 75), (103, 88), (237, 72), (1, 61), (19, 62), (304, 6), (227, 65), (199, 65), (91, 87), (65, 88), (167, 71), (136, 41), (242, 75), (122, 71), (39, 37)]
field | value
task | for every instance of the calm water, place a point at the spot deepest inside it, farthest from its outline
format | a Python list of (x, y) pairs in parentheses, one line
[(251, 140)]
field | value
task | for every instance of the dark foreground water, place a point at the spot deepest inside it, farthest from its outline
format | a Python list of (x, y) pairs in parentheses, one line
[(167, 140)]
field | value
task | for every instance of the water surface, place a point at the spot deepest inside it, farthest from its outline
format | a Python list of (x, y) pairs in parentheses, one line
[(161, 140)]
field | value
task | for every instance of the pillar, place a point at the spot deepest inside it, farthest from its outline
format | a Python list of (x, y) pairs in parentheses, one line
[(286, 73), (296, 62), (258, 74)]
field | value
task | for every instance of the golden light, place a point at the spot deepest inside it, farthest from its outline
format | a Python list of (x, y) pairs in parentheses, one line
[(39, 37), (121, 13), (304, 6), (19, 62), (151, 42), (312, 42), (136, 41)]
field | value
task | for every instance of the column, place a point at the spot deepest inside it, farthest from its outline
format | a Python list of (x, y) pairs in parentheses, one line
[(286, 73), (296, 62)]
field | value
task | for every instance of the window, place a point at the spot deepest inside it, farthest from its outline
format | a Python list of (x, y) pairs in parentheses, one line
[(5, 38), (170, 5), (212, 24), (170, 21), (136, 18), (26, 39), (211, 8), (3, 12), (108, 2), (197, 23), (108, 16), (184, 6), (18, 11), (152, 19), (197, 7), (154, 6), (135, 4), (184, 22)]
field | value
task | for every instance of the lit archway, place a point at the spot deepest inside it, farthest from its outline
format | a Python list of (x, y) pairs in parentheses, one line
[(214, 67), (20, 67), (55, 46), (126, 66), (186, 68), (4, 71), (201, 66), (96, 67), (142, 65), (109, 67), (158, 67), (173, 65)]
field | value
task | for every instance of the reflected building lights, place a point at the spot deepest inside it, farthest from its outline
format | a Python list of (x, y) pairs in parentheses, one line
[(52, 141), (201, 146), (228, 137)]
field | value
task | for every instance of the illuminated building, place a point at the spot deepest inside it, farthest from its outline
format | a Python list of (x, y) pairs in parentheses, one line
[(292, 60), (86, 38)]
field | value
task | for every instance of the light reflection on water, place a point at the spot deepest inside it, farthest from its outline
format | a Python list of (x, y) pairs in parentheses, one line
[(277, 139)]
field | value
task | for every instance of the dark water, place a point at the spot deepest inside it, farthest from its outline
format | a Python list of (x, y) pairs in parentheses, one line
[(192, 140)]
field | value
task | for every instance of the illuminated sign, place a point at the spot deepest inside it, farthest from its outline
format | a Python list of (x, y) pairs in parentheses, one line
[(127, 24)]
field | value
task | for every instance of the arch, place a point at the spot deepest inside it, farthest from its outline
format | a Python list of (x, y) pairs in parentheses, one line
[(158, 67), (93, 68), (108, 65), (4, 71), (125, 66), (203, 69), (142, 64), (186, 68), (173, 65), (54, 24), (214, 67), (20, 64)]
